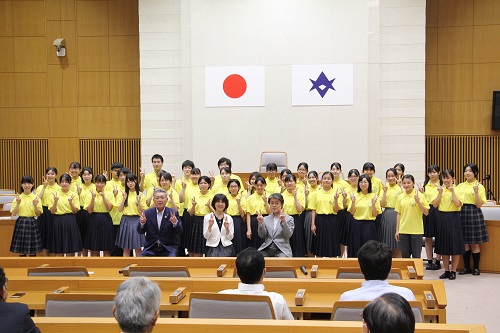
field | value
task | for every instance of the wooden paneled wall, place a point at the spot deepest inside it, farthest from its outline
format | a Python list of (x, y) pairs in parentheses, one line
[(23, 157), (453, 152), (462, 66), (92, 93), (100, 154), (462, 71)]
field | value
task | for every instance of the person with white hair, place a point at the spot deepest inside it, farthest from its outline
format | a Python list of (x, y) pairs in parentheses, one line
[(137, 305)]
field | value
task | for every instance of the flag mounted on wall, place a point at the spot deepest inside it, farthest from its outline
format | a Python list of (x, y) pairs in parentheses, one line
[(327, 84), (235, 86)]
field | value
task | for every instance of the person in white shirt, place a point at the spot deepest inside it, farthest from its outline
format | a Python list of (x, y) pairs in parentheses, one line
[(250, 266), (375, 261)]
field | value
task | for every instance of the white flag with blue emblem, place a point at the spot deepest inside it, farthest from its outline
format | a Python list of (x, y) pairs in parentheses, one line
[(327, 84)]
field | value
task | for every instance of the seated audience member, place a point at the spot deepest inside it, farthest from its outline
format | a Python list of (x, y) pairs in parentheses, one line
[(14, 317), (137, 305), (250, 266), (389, 313), (375, 260), (276, 229), (161, 225)]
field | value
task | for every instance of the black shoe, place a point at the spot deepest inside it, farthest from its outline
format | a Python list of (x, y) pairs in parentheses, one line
[(465, 271), (476, 271), (453, 275), (445, 275), (429, 266), (437, 265)]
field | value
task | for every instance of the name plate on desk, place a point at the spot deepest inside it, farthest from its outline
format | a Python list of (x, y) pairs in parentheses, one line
[(221, 270), (300, 297), (314, 271), (177, 295), (430, 301), (411, 272)]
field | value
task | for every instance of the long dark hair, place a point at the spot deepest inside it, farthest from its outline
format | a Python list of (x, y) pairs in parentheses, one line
[(131, 177), (365, 176), (433, 167)]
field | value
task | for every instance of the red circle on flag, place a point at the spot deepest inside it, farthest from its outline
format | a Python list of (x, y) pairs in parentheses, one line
[(234, 86)]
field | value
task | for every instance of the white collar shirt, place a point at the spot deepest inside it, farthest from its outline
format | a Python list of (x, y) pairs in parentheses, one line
[(371, 289), (281, 309)]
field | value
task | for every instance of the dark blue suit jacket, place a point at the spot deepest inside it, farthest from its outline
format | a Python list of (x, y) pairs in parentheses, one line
[(166, 234), (15, 318)]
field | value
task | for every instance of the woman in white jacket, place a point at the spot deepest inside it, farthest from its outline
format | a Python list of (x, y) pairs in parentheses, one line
[(218, 229)]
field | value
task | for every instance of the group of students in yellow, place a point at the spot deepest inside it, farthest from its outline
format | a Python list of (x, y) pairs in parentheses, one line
[(333, 217)]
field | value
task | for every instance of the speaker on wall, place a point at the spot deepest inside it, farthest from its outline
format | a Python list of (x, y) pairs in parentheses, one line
[(495, 113)]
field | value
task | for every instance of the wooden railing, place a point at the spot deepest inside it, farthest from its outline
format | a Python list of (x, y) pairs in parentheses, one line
[(453, 152)]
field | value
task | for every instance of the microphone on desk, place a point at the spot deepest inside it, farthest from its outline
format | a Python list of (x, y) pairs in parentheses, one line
[(303, 269)]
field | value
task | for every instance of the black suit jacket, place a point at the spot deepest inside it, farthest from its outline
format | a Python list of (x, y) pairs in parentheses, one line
[(166, 234), (15, 318)]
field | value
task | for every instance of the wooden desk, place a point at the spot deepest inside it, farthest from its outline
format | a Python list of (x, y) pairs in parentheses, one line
[(320, 293), (490, 262), (109, 325), (198, 267), (6, 231)]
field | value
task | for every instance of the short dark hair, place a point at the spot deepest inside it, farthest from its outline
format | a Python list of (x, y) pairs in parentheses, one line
[(219, 197), (271, 167), (157, 156), (124, 170), (187, 163), (206, 179), (75, 165), (27, 179), (65, 177), (277, 196), (285, 171), (224, 160), (337, 165), (250, 265), (260, 179), (353, 172), (53, 169), (389, 313), (368, 166), (116, 165), (100, 178), (165, 175), (391, 170), (226, 169), (290, 176), (375, 260), (304, 164), (410, 177), (236, 181), (473, 167)]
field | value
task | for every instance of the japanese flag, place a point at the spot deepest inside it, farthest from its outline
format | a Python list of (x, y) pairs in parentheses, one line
[(235, 86), (326, 84)]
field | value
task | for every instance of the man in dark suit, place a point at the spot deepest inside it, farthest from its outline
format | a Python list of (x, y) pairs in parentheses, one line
[(161, 225), (14, 317)]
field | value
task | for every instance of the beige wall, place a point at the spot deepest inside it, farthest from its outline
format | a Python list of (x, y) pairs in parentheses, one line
[(92, 93)]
